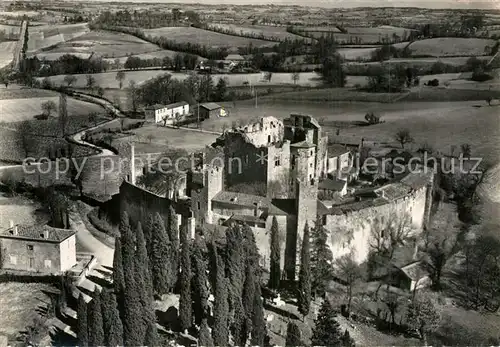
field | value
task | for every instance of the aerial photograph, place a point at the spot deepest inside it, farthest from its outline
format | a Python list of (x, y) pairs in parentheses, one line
[(249, 173)]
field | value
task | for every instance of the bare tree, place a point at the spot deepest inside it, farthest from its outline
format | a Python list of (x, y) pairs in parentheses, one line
[(268, 76), (150, 138), (403, 136), (466, 150), (350, 272), (93, 117), (25, 133), (423, 316), (91, 82), (120, 77), (63, 113), (295, 77), (489, 99), (132, 94), (69, 80), (48, 107)]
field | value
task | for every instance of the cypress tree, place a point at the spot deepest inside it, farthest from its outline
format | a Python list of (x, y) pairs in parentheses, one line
[(133, 324), (293, 335), (347, 340), (118, 276), (326, 331), (96, 332), (304, 295), (173, 233), (82, 327), (220, 332), (259, 331), (321, 258), (205, 339), (200, 280), (143, 262), (275, 270), (148, 236), (236, 274), (112, 324), (185, 301), (151, 338), (161, 266)]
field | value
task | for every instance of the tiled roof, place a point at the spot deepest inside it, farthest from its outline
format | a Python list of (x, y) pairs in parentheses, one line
[(177, 104), (303, 144), (235, 57), (356, 206), (37, 233), (155, 107), (282, 207), (335, 150), (241, 199), (394, 191), (210, 106), (416, 270), (332, 184)]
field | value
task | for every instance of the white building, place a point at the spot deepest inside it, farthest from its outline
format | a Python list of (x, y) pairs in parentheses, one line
[(168, 114)]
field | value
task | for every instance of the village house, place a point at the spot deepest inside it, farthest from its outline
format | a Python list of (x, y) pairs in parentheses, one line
[(167, 114), (38, 248), (210, 110)]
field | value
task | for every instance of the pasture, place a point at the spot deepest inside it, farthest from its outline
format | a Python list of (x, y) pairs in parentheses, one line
[(445, 47), (273, 32), (7, 52), (46, 36), (204, 37), (108, 79), (104, 44), (356, 53), (441, 124), (21, 303), (15, 110), (10, 29)]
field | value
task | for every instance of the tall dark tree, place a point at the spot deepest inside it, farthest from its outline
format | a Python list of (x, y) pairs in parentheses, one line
[(259, 331), (236, 273), (118, 275), (321, 260), (275, 271), (220, 331), (304, 294), (161, 266), (173, 233), (151, 338), (82, 327), (326, 331), (293, 335), (185, 301), (96, 332), (133, 327), (205, 339), (112, 324), (144, 282), (200, 281), (148, 236)]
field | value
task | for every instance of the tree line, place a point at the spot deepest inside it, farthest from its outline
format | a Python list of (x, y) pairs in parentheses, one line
[(64, 65), (146, 19), (241, 33)]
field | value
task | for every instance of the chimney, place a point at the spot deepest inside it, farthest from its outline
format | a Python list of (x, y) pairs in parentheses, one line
[(14, 230), (11, 224), (45, 233), (257, 208), (191, 227)]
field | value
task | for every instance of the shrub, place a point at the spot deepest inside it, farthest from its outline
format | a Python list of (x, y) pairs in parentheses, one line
[(433, 83)]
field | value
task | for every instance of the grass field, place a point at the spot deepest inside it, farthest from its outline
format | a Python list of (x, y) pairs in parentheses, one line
[(20, 303), (442, 47), (441, 124), (108, 79), (20, 210), (273, 32), (102, 43), (14, 110), (10, 29), (205, 37), (6, 52), (45, 36), (164, 138), (356, 53)]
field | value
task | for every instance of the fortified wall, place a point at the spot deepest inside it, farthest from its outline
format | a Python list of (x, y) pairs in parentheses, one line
[(351, 226)]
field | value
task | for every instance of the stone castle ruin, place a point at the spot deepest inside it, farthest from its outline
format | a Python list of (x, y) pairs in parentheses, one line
[(303, 180)]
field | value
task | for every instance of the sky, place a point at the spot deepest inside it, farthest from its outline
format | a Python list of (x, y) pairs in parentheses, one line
[(452, 4)]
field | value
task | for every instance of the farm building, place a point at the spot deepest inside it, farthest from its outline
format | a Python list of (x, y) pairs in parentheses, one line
[(411, 276), (38, 248), (169, 114), (235, 58), (209, 110)]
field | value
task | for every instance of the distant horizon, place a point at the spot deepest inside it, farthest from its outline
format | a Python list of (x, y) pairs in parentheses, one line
[(430, 4)]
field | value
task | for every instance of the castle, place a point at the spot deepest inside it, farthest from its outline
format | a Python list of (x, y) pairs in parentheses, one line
[(301, 179)]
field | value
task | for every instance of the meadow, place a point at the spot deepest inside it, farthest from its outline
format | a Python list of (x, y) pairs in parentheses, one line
[(46, 36), (443, 47), (271, 32), (10, 29), (102, 43), (205, 37), (108, 79), (7, 52)]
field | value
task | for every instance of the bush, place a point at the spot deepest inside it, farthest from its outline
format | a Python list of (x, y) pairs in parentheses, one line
[(102, 224), (481, 76), (433, 83)]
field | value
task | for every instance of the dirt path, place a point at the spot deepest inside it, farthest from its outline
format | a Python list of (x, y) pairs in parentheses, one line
[(103, 253)]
